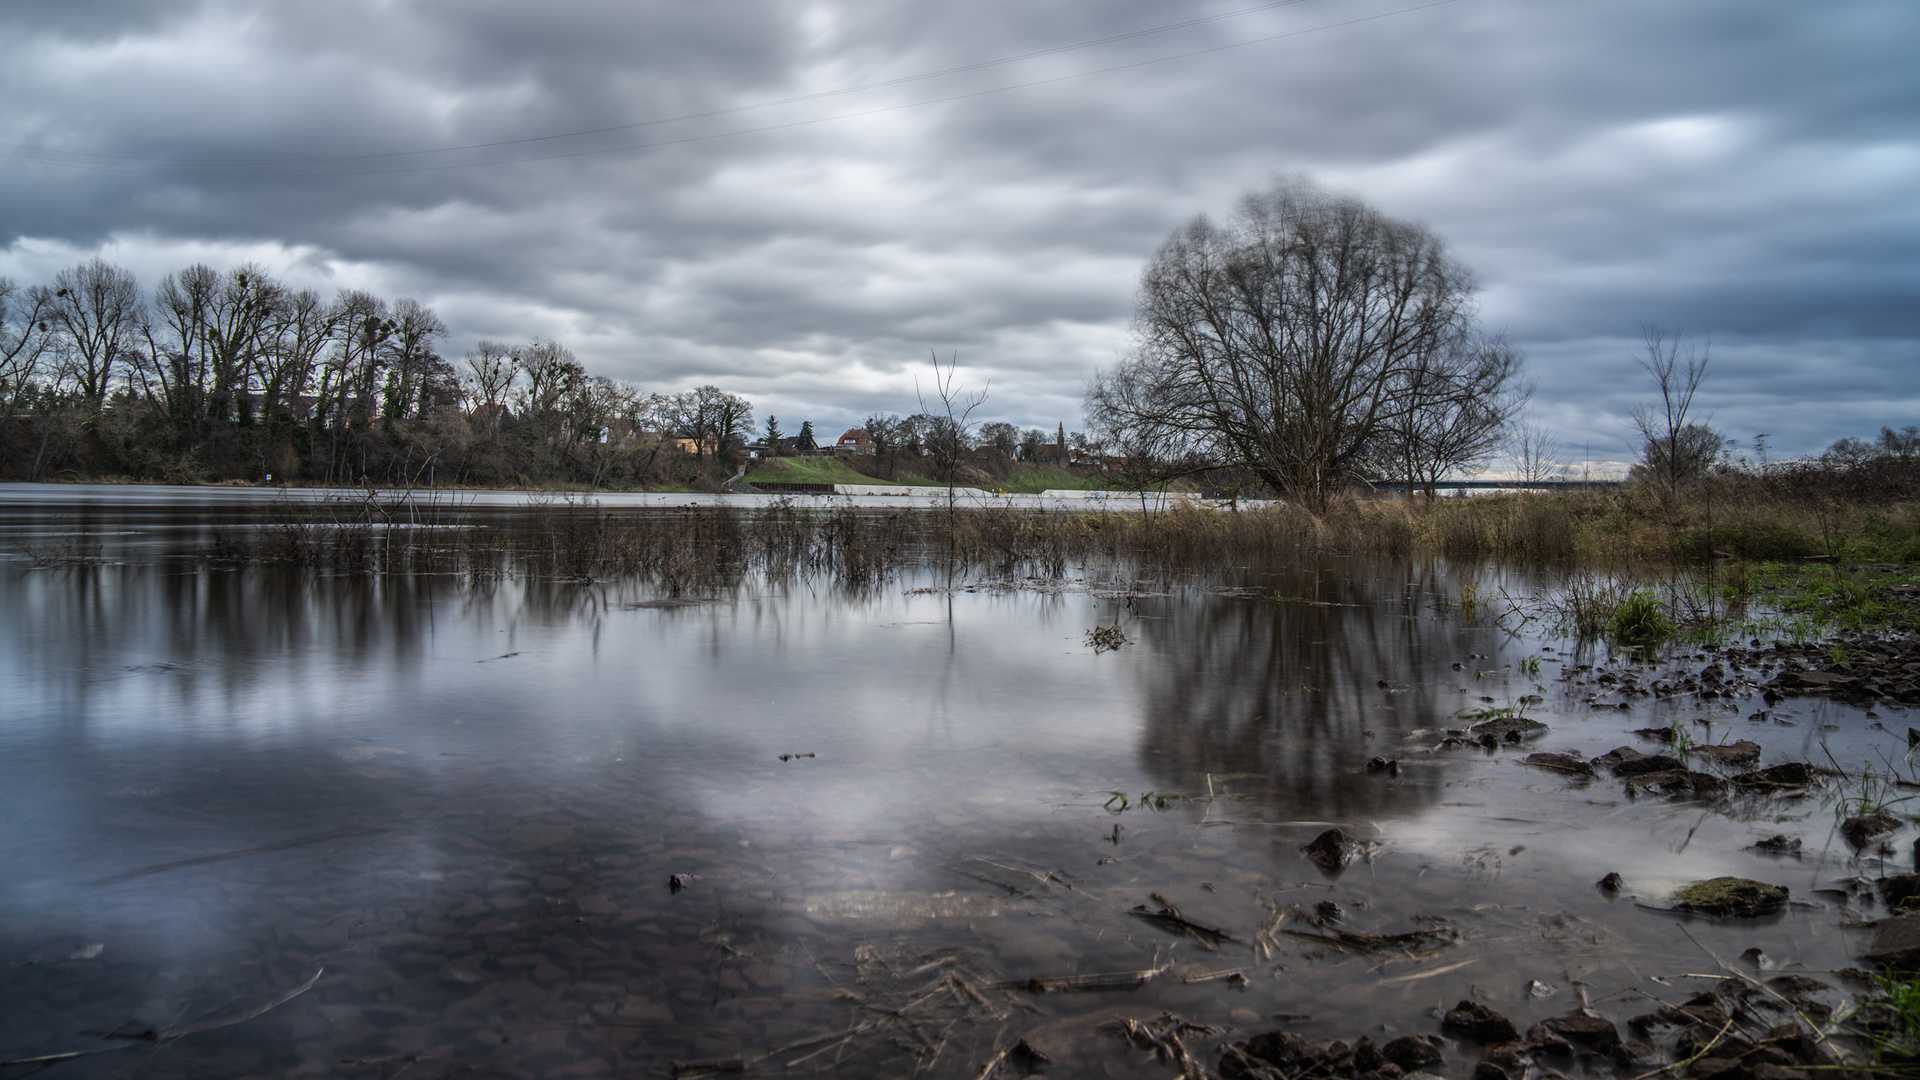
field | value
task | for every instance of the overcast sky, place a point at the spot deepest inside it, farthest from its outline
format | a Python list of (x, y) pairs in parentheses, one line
[(799, 202)]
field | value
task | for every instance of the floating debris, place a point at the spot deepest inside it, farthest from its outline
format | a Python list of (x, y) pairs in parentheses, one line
[(1169, 917)]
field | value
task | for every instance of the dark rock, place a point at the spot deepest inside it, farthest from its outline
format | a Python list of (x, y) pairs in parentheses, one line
[(1588, 1032), (1770, 1071), (1833, 681), (1794, 774), (1860, 831), (1027, 1059), (1413, 1052), (1649, 764), (1612, 883), (1473, 1020), (1333, 850), (1615, 757), (1487, 1070), (1743, 752), (1507, 729), (1729, 896), (1542, 1039), (1367, 1056), (681, 881), (1901, 890), (1562, 762), (1676, 782), (1635, 1054), (1715, 1068), (1329, 911), (1779, 843), (1278, 1048), (1237, 1064), (1896, 943), (1384, 765), (1811, 996)]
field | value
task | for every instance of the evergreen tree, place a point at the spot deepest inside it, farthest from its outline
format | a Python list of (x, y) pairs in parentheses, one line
[(773, 436), (805, 441)]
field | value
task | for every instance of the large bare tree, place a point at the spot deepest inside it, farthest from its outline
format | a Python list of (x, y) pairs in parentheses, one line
[(1282, 341), (98, 307)]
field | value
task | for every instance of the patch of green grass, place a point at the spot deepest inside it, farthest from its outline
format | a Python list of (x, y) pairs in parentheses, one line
[(809, 470), (1149, 800), (1896, 1037), (1034, 479), (1830, 598), (1640, 619)]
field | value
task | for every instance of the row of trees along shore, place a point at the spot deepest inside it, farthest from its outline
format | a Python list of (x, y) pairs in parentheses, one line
[(224, 376), (235, 376)]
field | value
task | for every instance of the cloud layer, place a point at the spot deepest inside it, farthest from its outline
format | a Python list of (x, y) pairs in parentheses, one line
[(802, 202)]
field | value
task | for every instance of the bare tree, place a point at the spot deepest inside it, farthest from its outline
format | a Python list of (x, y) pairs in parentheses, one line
[(1678, 368), (714, 419), (417, 377), (1453, 411), (949, 431), (27, 340), (1682, 459), (1537, 454), (1280, 343), (490, 374), (1001, 436), (240, 319), (890, 436), (302, 329), (174, 371), (98, 307)]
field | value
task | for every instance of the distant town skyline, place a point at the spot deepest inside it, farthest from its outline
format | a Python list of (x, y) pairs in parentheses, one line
[(800, 204)]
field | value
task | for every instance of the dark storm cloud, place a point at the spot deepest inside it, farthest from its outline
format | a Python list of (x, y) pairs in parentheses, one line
[(1738, 170)]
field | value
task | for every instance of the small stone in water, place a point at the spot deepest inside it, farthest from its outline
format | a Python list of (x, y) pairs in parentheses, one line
[(681, 881), (1475, 1021), (1860, 831), (1333, 850), (1731, 896), (1612, 883), (1779, 842)]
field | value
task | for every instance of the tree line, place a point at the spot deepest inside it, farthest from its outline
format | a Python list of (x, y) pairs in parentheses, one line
[(234, 375)]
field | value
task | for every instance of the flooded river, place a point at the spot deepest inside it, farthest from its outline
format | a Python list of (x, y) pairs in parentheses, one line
[(260, 820)]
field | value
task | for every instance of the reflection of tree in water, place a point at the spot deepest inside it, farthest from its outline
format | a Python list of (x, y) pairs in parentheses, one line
[(1288, 690)]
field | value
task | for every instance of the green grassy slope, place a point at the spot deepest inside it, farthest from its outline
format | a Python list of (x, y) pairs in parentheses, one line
[(807, 470)]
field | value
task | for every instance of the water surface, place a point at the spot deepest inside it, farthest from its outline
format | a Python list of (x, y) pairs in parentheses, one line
[(445, 809)]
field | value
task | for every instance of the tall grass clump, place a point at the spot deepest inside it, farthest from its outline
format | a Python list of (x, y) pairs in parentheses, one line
[(1640, 619)]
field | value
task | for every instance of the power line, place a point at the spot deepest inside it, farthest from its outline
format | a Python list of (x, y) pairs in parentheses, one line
[(176, 167)]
